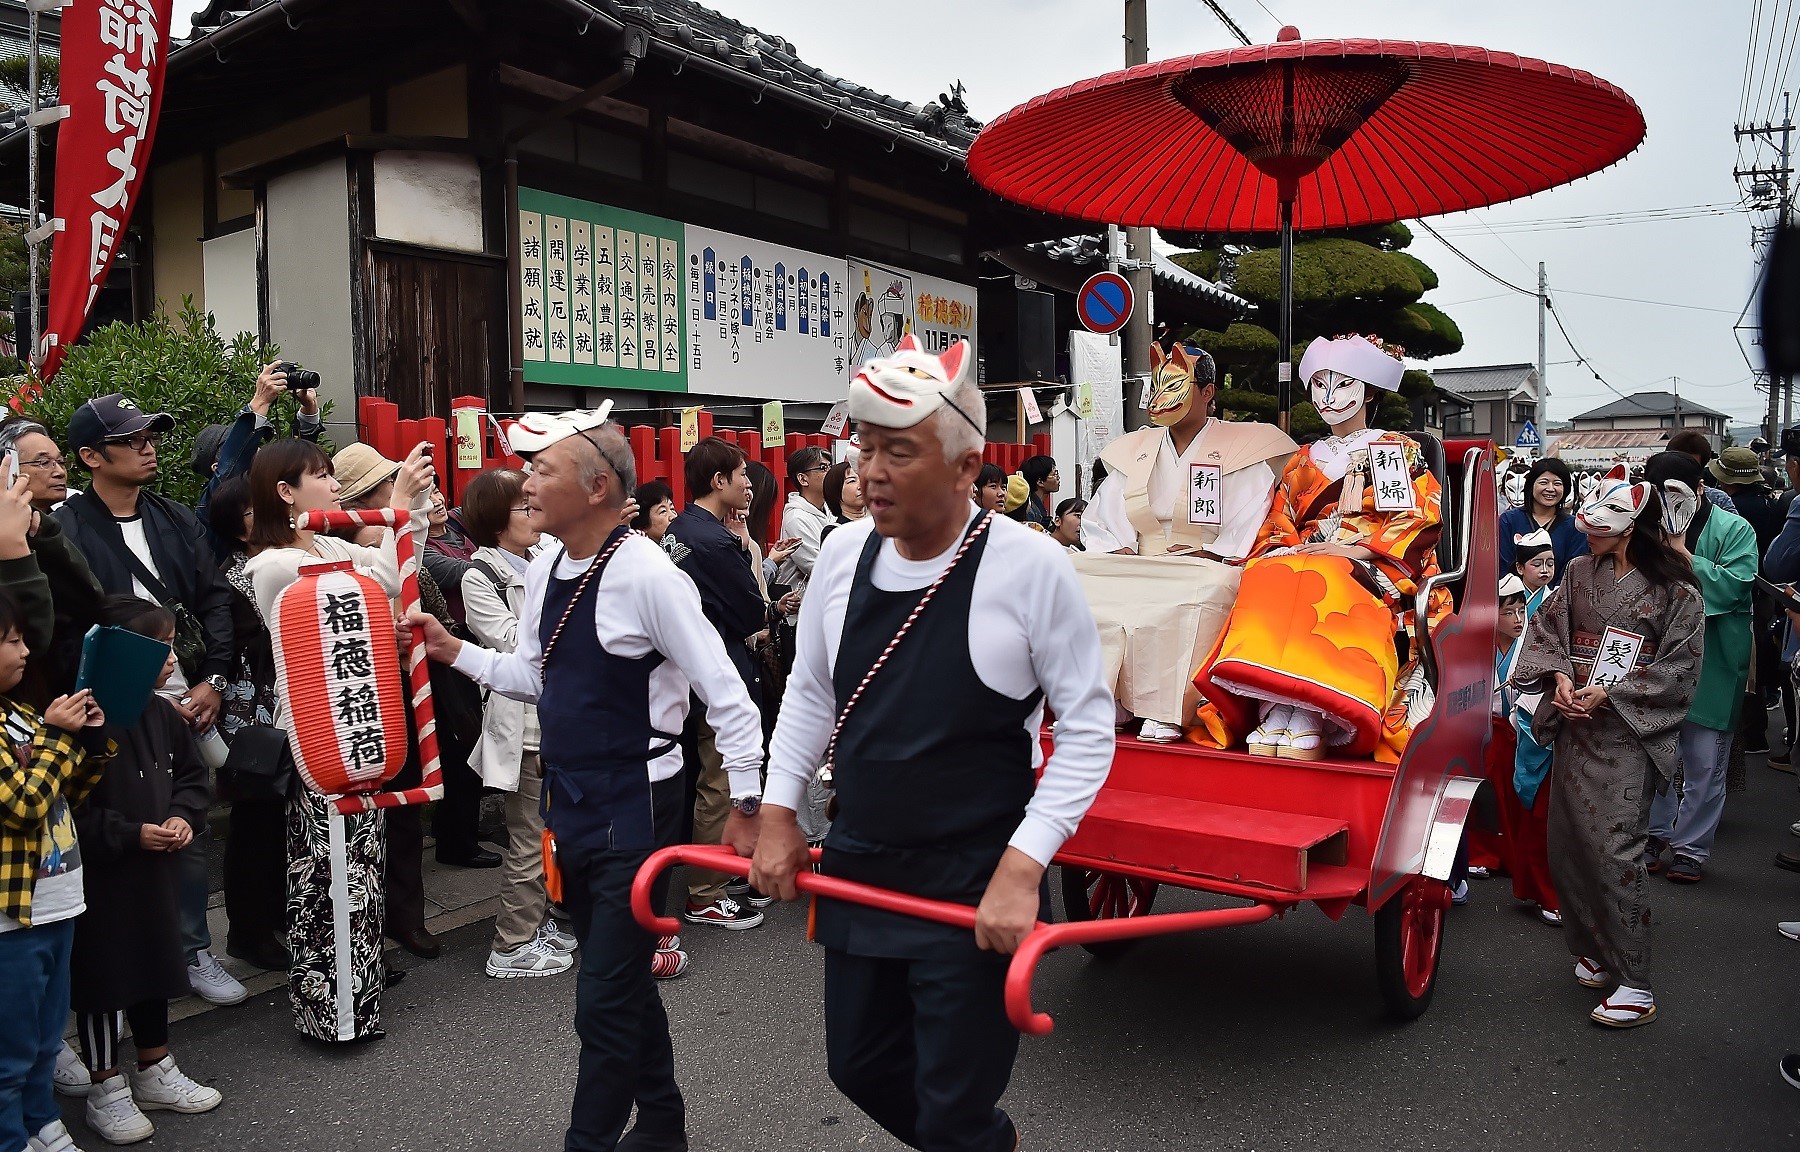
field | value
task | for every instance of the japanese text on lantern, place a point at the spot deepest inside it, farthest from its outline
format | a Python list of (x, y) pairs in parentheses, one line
[(350, 668), (129, 29)]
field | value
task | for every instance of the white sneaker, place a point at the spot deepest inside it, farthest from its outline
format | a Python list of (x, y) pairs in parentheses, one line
[(162, 1086), (538, 958), (113, 1115), (212, 983), (550, 933), (1554, 919), (71, 1076), (1788, 928), (1459, 895), (1156, 732), (52, 1137)]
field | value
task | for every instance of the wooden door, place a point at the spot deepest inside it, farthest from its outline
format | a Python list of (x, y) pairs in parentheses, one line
[(435, 329)]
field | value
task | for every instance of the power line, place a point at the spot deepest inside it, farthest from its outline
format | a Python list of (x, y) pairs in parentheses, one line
[(1655, 303), (1225, 19), (1466, 259)]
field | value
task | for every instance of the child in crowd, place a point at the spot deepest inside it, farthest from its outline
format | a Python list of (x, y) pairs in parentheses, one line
[(1523, 816), (128, 954), (48, 763)]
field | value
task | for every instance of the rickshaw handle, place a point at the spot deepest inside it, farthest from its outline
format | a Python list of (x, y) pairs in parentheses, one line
[(1040, 940)]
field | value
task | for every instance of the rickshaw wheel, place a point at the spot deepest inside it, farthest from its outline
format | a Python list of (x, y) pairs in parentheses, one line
[(1106, 896), (1409, 939)]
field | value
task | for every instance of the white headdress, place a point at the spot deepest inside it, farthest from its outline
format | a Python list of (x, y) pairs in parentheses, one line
[(1352, 356), (536, 431), (1537, 539), (1511, 585)]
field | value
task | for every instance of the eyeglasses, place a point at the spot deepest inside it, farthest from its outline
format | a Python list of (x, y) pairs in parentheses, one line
[(819, 468), (140, 443), (46, 463)]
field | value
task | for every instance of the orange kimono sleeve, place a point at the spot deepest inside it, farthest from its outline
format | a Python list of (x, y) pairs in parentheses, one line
[(1279, 530)]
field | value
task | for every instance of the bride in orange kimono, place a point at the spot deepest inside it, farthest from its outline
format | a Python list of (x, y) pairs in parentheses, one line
[(1308, 664)]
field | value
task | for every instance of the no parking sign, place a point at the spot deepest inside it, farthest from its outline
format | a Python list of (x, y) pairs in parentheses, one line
[(1104, 303)]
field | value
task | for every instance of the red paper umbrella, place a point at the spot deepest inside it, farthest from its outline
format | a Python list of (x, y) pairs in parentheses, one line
[(1309, 134)]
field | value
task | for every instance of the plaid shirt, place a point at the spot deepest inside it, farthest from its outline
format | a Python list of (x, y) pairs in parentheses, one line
[(32, 776)]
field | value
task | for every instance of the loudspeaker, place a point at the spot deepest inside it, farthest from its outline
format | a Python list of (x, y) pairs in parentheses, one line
[(1018, 335)]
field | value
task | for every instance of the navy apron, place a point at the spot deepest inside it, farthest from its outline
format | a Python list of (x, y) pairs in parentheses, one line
[(933, 768), (596, 741)]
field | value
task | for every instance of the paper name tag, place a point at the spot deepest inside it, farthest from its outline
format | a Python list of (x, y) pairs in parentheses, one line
[(1032, 413), (1615, 658), (1391, 477), (834, 420), (1203, 494), (690, 429)]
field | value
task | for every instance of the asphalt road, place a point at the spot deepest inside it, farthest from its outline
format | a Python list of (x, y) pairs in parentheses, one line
[(1266, 1037)]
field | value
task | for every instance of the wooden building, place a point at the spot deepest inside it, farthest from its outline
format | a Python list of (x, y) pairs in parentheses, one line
[(551, 202)]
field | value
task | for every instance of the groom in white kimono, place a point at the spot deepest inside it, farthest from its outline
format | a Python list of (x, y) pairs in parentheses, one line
[(1181, 507)]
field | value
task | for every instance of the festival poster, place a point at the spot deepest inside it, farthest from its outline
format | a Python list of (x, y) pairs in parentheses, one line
[(600, 295), (881, 311), (764, 320), (943, 312)]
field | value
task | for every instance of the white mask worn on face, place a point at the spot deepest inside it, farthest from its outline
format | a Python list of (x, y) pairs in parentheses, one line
[(1337, 397)]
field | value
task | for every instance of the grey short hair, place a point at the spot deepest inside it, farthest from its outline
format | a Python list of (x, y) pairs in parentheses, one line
[(12, 431), (611, 445), (956, 434)]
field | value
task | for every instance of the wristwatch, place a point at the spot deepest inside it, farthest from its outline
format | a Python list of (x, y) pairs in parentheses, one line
[(748, 806), (217, 683)]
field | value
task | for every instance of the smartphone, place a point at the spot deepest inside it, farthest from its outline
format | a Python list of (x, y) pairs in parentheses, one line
[(12, 467), (1784, 599)]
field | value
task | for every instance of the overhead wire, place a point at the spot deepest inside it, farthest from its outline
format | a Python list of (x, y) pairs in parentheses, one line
[(1749, 53)]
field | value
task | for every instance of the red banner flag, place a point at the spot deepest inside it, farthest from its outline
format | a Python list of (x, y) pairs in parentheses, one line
[(113, 55)]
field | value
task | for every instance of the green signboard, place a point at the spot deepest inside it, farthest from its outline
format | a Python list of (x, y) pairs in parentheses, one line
[(601, 295)]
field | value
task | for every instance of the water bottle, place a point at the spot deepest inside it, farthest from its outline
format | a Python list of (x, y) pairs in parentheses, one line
[(212, 748)]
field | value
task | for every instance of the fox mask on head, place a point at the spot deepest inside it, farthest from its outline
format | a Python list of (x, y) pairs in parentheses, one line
[(902, 390)]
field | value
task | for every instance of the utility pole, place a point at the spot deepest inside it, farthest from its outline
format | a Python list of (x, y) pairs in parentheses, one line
[(1543, 388), (1781, 175), (1139, 259)]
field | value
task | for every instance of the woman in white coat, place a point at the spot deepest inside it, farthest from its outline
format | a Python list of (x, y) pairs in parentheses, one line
[(527, 942)]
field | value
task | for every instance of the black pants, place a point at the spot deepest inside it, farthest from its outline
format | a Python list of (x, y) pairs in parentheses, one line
[(256, 869), (456, 819), (923, 1047), (626, 1054), (99, 1033), (404, 882)]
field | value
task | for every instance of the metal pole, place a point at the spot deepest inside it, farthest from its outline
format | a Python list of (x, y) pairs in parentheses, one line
[(1284, 367), (1139, 255), (29, 353), (1787, 130), (1543, 388)]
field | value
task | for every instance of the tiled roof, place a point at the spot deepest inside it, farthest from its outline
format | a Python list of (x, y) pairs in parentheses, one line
[(1607, 438), (1485, 381), (689, 32), (1090, 251), (1650, 404)]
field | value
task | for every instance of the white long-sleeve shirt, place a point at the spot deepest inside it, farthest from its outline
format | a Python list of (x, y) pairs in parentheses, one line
[(644, 604), (1244, 497), (1029, 627), (805, 523)]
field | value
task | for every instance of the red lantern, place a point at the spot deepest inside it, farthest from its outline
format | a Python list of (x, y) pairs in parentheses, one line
[(339, 670)]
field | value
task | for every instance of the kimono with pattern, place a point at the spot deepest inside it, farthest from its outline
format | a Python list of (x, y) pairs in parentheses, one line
[(1610, 766), (1318, 631)]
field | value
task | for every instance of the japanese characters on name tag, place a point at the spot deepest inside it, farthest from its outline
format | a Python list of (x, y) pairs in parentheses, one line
[(1615, 658), (1390, 476), (1203, 494)]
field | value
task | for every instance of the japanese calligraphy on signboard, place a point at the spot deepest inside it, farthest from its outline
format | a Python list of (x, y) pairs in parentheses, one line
[(600, 295), (1615, 657), (617, 299), (1203, 494), (1391, 476), (764, 320)]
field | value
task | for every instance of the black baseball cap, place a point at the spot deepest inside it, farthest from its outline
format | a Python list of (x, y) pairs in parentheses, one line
[(1790, 441), (112, 417), (206, 448)]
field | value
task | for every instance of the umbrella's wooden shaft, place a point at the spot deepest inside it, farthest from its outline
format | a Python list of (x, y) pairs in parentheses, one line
[(1285, 321)]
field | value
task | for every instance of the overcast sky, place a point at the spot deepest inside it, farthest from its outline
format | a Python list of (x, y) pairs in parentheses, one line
[(1683, 63)]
